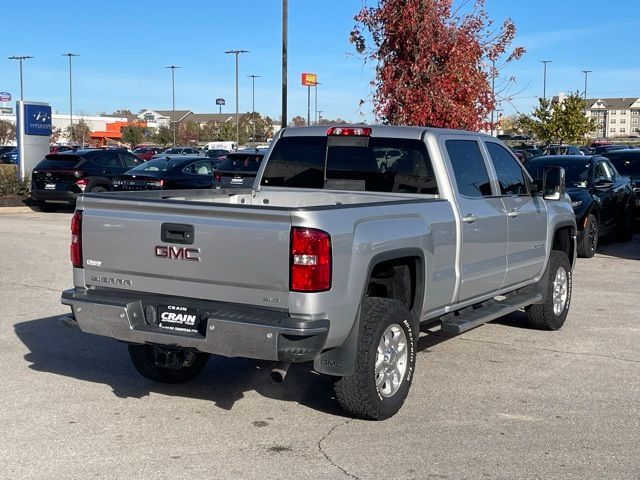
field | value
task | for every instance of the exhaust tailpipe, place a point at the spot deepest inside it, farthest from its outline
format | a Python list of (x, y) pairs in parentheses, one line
[(279, 372)]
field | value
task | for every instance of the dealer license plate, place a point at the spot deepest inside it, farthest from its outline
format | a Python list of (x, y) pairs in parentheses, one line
[(50, 186), (178, 318)]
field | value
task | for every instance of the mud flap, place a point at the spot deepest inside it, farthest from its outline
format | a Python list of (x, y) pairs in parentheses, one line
[(340, 361)]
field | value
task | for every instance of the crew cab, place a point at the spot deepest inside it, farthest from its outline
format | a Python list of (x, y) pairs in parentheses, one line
[(329, 258)]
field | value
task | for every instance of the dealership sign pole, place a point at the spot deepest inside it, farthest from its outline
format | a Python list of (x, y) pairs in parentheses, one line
[(220, 102), (33, 132), (309, 80)]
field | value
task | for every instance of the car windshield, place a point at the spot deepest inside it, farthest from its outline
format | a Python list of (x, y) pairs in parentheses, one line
[(576, 173), (241, 163), (173, 151), (157, 165), (627, 166)]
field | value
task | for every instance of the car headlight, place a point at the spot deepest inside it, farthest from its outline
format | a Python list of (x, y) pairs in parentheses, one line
[(576, 203)]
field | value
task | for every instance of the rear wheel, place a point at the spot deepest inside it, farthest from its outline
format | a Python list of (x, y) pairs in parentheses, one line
[(385, 361), (167, 365), (552, 313), (98, 189), (589, 241)]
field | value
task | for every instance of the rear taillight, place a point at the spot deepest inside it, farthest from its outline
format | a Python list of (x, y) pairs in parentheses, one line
[(217, 177), (310, 260), (349, 131), (82, 183), (75, 249), (77, 174), (157, 183)]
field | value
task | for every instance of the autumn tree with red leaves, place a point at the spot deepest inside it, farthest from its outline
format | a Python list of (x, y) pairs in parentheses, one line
[(434, 65)]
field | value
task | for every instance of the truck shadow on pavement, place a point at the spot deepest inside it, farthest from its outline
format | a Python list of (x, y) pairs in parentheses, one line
[(224, 381)]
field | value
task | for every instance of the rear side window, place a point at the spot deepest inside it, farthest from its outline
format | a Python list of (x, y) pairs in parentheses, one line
[(510, 175), (469, 168), (351, 163), (106, 159)]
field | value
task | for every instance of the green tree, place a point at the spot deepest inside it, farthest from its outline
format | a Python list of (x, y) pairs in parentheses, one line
[(227, 132), (558, 122), (263, 128), (7, 132), (163, 136), (81, 133), (133, 134)]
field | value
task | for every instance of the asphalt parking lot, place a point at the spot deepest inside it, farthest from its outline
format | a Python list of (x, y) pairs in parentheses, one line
[(498, 402)]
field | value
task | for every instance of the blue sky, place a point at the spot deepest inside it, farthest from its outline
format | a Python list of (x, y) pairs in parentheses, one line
[(124, 46)]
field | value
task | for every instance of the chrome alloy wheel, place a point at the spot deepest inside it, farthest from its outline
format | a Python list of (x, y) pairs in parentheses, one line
[(560, 290), (391, 360)]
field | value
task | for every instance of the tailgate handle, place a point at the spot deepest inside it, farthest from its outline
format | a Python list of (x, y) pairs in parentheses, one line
[(177, 233)]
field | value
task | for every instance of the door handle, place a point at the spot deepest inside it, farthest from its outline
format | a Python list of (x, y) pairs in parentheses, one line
[(469, 218), (513, 213)]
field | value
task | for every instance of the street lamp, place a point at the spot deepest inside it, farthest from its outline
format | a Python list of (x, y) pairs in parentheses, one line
[(173, 99), (70, 55), (316, 100), (253, 105), (544, 82), (21, 58), (236, 53), (285, 14)]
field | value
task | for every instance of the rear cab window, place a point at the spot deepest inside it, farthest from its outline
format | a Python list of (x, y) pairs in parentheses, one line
[(358, 163)]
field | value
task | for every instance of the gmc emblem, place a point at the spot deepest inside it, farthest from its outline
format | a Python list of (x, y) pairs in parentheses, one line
[(177, 253)]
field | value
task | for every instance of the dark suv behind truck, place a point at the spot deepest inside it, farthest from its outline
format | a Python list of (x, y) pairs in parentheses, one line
[(60, 177)]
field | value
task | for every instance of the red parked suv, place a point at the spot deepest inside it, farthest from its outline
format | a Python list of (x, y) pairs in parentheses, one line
[(146, 153)]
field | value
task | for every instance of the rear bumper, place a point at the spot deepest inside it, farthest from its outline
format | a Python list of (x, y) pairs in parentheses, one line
[(226, 329), (54, 195)]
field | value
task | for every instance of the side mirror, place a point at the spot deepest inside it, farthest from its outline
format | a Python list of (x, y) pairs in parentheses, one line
[(553, 183)]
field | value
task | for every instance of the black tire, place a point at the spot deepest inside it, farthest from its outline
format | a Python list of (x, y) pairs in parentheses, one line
[(359, 394), (47, 207), (624, 232), (98, 189), (543, 316), (589, 242), (143, 358)]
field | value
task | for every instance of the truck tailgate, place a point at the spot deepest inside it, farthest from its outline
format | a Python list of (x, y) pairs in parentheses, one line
[(236, 253)]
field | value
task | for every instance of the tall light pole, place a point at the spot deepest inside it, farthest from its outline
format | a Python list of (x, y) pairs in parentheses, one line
[(236, 53), (544, 80), (316, 101), (586, 73), (70, 55), (493, 92), (173, 99), (285, 15), (319, 115), (253, 106), (21, 58)]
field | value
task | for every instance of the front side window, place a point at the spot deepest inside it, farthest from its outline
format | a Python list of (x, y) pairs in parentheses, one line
[(469, 168), (510, 175), (128, 160), (601, 173), (198, 168)]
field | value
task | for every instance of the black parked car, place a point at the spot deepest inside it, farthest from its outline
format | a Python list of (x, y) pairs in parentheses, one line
[(5, 149), (602, 199), (608, 148), (627, 162), (217, 153), (239, 169), (60, 177), (168, 174), (9, 157)]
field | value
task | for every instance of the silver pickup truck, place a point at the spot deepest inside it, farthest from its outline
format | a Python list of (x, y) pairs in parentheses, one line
[(351, 240)]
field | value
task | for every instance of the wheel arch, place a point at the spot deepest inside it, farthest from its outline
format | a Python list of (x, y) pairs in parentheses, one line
[(340, 361)]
